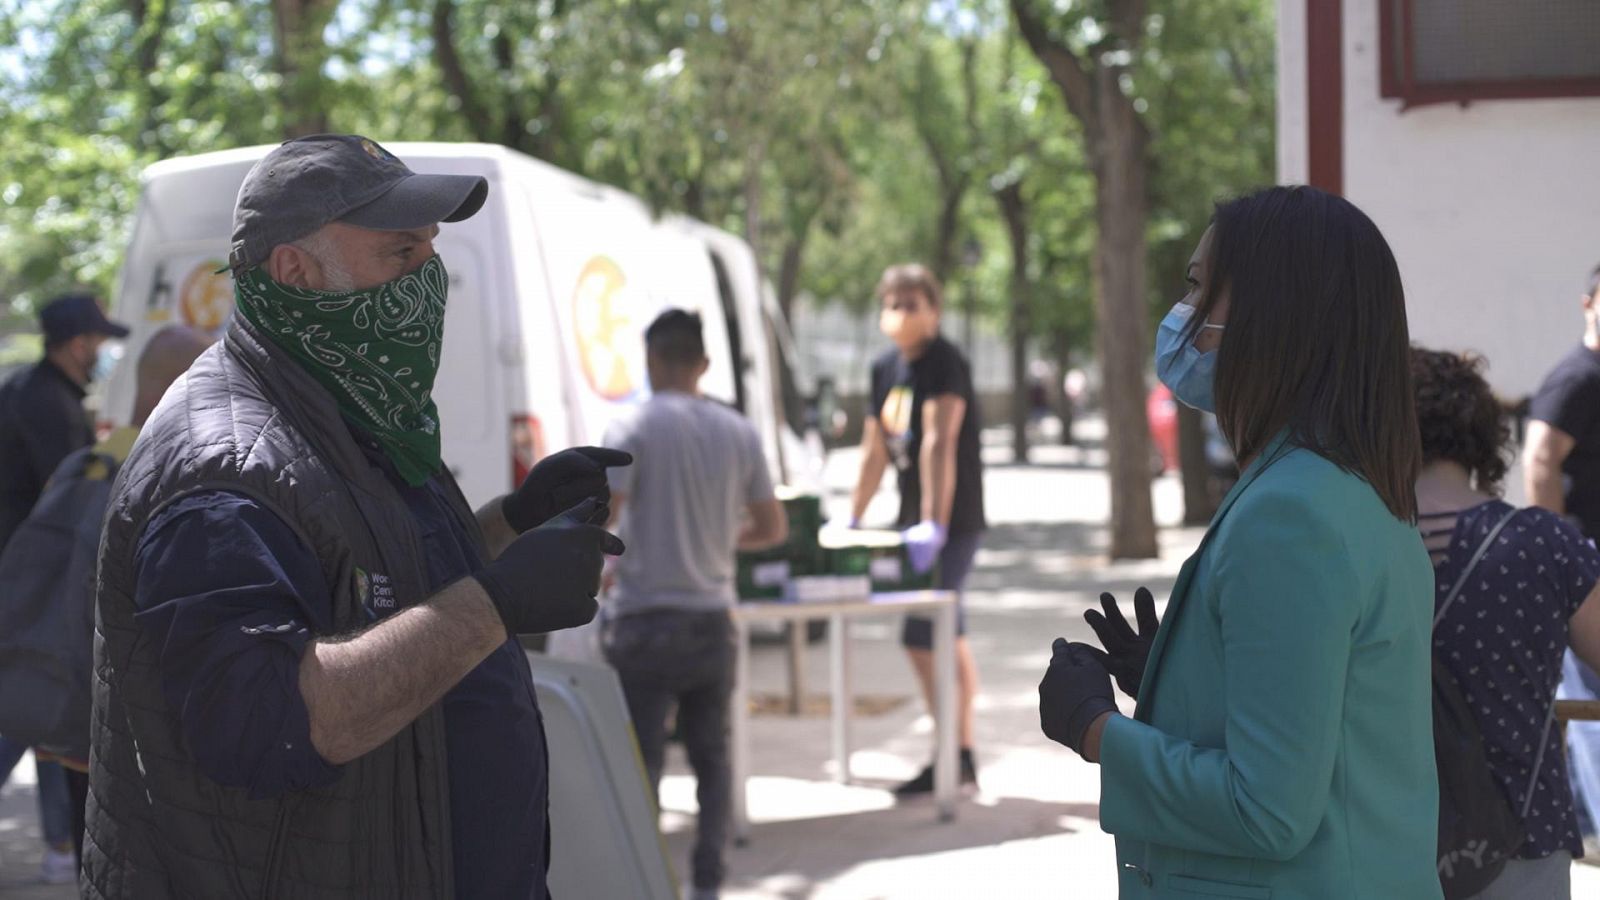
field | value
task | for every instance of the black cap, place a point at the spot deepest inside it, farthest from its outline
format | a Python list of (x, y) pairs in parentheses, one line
[(70, 315), (304, 184)]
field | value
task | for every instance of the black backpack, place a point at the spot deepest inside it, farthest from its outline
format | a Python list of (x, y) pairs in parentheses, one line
[(1478, 828), (47, 608)]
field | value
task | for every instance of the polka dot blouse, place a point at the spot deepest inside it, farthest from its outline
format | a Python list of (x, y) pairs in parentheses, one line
[(1504, 639)]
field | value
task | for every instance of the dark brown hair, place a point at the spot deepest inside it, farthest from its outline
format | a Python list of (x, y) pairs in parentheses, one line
[(911, 277), (1459, 416), (676, 338), (1316, 342)]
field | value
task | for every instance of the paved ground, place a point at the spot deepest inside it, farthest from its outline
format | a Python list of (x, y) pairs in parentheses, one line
[(1032, 831)]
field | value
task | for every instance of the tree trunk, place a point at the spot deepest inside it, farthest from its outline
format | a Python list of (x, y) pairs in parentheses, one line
[(944, 238), (150, 19), (297, 31), (1115, 143), (1199, 502), (1120, 211), (789, 266), (1014, 209), (454, 73), (1062, 344)]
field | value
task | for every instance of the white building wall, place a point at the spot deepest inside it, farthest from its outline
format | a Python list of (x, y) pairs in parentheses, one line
[(1493, 209)]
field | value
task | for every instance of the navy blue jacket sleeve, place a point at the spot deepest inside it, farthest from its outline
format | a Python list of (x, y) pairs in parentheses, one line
[(230, 595)]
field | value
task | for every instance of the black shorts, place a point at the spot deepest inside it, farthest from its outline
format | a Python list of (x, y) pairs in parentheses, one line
[(955, 564)]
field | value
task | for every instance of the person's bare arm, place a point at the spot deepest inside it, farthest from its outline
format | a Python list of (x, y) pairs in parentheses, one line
[(497, 532), (360, 691), (1543, 453), (768, 526), (941, 430), (874, 460), (1584, 631)]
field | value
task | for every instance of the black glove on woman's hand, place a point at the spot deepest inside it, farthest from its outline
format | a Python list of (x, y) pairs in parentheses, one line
[(1076, 689), (546, 580), (1126, 653), (559, 481)]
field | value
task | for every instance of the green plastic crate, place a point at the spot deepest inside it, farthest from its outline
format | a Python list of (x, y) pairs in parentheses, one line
[(879, 555), (761, 574)]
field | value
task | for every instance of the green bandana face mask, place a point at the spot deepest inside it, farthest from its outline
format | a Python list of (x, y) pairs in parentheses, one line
[(376, 350)]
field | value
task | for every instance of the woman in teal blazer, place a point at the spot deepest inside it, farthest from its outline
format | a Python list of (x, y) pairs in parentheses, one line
[(1282, 745)]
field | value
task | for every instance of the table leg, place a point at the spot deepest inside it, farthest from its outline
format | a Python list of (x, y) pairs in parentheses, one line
[(798, 629), (739, 736), (944, 765), (842, 701)]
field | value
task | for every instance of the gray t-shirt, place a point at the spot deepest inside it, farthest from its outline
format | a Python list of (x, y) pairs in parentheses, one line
[(696, 466)]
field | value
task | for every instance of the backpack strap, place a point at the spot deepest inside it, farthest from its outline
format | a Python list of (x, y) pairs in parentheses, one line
[(1472, 564), (1538, 758)]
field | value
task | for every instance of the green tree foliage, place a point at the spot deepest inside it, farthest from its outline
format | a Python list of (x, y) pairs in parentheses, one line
[(837, 135)]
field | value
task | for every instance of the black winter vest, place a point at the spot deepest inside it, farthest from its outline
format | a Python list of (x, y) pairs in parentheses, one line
[(247, 419)]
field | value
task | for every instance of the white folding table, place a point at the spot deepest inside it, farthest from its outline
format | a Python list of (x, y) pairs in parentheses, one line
[(839, 614)]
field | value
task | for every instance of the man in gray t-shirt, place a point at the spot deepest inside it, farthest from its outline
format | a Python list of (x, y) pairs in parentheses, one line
[(697, 491)]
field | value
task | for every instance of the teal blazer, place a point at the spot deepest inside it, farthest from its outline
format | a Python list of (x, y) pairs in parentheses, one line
[(1283, 743)]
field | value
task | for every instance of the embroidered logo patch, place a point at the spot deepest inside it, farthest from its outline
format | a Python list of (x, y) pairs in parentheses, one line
[(375, 592)]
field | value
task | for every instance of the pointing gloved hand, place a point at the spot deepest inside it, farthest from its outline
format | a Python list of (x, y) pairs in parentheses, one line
[(1076, 689), (560, 480), (924, 540), (1126, 652), (546, 580)]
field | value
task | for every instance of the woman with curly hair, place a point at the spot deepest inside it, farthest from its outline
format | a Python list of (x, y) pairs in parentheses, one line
[(1532, 593)]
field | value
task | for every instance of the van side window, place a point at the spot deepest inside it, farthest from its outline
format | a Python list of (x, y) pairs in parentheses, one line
[(730, 312)]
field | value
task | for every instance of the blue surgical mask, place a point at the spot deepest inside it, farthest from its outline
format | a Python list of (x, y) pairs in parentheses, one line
[(1187, 372), (105, 361)]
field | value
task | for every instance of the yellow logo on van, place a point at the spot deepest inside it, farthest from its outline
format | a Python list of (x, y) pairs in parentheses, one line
[(603, 315), (205, 297)]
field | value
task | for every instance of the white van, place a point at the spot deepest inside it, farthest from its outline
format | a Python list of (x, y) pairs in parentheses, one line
[(551, 286)]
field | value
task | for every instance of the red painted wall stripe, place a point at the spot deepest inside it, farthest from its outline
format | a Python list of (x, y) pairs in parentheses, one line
[(1325, 94)]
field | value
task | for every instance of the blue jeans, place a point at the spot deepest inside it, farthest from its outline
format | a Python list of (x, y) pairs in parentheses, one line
[(1583, 743), (55, 800), (683, 659)]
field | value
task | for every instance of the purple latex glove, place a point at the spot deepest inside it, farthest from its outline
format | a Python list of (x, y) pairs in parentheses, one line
[(924, 540)]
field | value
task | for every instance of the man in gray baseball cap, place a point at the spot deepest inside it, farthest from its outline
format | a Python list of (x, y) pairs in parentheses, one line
[(310, 683)]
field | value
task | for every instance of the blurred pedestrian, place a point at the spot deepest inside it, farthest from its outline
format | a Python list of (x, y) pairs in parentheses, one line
[(307, 678), (925, 420), (698, 491), (47, 609), (1535, 588), (1283, 741), (1561, 470), (42, 419)]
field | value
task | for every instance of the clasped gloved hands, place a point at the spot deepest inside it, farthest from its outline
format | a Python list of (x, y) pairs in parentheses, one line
[(547, 579), (1075, 691), (1125, 652), (558, 482)]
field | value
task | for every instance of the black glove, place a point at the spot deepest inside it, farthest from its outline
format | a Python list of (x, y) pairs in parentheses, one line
[(546, 580), (1076, 689), (1126, 652), (559, 481)]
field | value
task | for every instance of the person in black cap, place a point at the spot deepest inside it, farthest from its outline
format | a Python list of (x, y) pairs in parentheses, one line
[(308, 678), (42, 421), (41, 406)]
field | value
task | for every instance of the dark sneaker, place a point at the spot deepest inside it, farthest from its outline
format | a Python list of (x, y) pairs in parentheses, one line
[(916, 787), (923, 783)]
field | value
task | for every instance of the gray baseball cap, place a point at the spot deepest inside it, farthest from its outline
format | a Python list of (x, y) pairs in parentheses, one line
[(308, 182)]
